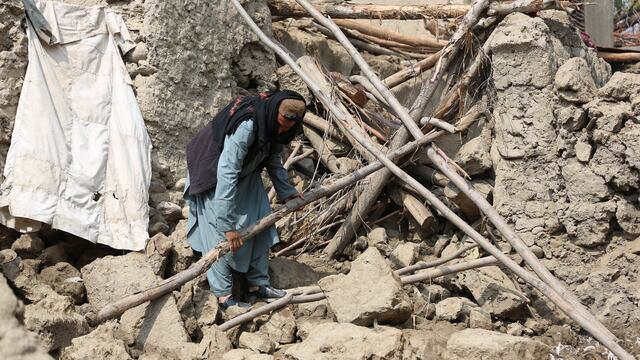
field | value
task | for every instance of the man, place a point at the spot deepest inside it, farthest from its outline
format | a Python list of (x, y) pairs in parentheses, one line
[(225, 192)]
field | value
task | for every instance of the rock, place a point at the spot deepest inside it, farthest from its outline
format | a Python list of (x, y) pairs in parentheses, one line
[(245, 354), (150, 326), (377, 236), (180, 184), (428, 342), (574, 83), (55, 254), (15, 341), (197, 305), (306, 324), (139, 53), (158, 250), (348, 342), (454, 309), (256, 342), (65, 280), (157, 186), (404, 255), (479, 319), (494, 292), (628, 217), (474, 156), (286, 274), (583, 151), (361, 243), (181, 254), (621, 86), (280, 327), (491, 345), (515, 329), (28, 246), (315, 309), (55, 321), (434, 293), (7, 237), (371, 291), (157, 225), (185, 212), (170, 211), (101, 343)]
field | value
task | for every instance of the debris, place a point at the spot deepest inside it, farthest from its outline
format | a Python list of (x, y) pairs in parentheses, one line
[(485, 344), (370, 292), (28, 246), (347, 341)]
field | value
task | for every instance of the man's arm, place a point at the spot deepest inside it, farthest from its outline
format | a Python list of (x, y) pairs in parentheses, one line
[(235, 150), (279, 176)]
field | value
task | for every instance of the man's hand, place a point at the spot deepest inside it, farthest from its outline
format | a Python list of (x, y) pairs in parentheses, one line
[(235, 242), (296, 196)]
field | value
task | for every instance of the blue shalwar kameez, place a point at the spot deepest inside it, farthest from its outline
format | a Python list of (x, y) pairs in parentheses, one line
[(239, 200)]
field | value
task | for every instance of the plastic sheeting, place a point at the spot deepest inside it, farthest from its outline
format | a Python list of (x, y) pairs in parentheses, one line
[(80, 155)]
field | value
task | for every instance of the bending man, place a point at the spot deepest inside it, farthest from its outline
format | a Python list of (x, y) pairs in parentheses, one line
[(225, 192)]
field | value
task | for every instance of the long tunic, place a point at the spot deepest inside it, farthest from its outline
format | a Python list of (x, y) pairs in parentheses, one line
[(239, 199)]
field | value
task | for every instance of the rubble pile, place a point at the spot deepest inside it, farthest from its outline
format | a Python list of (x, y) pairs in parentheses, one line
[(543, 129)]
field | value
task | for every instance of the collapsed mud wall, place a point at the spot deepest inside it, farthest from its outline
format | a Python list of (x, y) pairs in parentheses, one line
[(565, 155)]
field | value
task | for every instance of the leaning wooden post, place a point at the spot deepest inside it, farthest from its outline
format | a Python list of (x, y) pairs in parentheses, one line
[(589, 322)]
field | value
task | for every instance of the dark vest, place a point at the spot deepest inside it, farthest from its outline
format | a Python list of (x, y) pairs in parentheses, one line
[(203, 155)]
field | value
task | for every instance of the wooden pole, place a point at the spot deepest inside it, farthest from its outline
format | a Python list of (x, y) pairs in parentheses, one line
[(412, 71), (619, 57), (390, 34), (288, 8)]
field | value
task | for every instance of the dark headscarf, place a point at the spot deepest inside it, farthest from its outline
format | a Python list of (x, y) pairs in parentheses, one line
[(203, 151)]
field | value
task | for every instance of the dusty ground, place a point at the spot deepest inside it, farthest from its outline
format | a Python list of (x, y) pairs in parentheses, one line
[(558, 151)]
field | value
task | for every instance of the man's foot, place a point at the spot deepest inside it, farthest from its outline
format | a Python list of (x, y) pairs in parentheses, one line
[(267, 292), (231, 301)]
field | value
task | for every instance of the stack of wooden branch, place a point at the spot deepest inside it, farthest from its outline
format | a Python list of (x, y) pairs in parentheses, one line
[(358, 161)]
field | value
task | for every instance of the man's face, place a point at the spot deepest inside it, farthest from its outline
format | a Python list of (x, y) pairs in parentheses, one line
[(287, 121)]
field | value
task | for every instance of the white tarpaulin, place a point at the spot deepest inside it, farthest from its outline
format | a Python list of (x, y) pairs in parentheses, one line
[(79, 158)]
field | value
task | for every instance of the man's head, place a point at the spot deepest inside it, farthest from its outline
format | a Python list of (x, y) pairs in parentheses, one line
[(290, 112)]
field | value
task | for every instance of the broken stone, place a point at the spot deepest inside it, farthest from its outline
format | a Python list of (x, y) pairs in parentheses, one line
[(574, 83), (65, 280), (181, 253), (280, 326), (256, 342), (347, 341), (28, 246), (139, 53), (583, 151), (198, 306), (515, 329), (479, 319), (454, 309), (491, 345), (101, 343), (306, 324), (158, 225), (15, 341), (377, 236), (494, 292), (361, 243), (434, 293), (185, 212), (315, 309), (428, 342), (158, 250), (621, 86), (371, 291), (474, 155), (170, 211), (55, 321), (150, 326), (404, 254), (628, 217), (286, 274)]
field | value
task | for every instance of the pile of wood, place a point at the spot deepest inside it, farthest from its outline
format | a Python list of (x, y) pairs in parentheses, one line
[(375, 158)]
